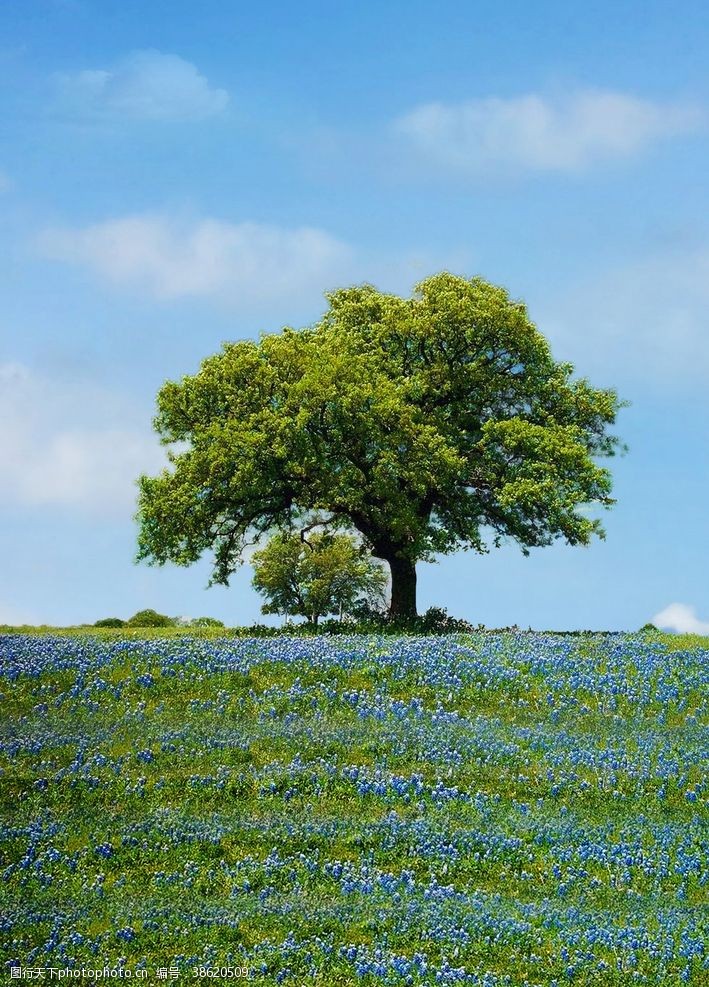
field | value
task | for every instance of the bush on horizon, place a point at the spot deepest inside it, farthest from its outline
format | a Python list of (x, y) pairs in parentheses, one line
[(150, 618)]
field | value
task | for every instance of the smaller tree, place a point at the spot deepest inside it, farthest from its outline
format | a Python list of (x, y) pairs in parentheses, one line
[(317, 576)]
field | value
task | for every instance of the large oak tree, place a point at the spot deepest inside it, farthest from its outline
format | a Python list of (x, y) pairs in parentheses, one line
[(428, 424)]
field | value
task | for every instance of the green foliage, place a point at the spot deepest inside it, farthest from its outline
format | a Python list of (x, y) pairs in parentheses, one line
[(206, 622), (428, 424), (312, 577), (149, 618), (110, 622), (436, 620), (366, 619)]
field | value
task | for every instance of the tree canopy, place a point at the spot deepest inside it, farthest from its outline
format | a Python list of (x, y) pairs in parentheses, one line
[(427, 424), (325, 573)]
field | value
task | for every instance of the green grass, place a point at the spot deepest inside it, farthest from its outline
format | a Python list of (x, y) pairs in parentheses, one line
[(522, 808)]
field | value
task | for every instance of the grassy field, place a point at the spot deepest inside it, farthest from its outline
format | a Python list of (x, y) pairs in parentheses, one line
[(491, 809)]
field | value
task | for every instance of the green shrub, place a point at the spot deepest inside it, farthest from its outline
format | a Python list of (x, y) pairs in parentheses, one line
[(436, 620), (110, 622), (149, 618), (206, 622), (365, 619)]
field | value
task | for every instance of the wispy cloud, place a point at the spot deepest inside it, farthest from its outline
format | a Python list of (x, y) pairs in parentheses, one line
[(144, 85), (66, 445), (245, 265), (646, 321), (170, 259), (531, 133), (654, 307), (680, 618)]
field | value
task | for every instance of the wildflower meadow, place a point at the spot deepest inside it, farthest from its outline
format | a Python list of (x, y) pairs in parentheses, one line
[(494, 809)]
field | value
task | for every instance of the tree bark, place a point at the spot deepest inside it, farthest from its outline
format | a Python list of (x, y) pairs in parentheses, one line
[(403, 587)]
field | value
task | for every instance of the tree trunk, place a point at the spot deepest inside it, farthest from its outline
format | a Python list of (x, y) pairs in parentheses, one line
[(403, 587)]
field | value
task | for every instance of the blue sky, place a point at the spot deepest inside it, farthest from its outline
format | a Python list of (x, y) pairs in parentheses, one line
[(173, 175)]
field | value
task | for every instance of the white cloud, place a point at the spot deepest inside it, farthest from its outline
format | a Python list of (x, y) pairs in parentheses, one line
[(680, 618), (533, 133), (245, 262), (51, 456), (244, 265), (144, 85)]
